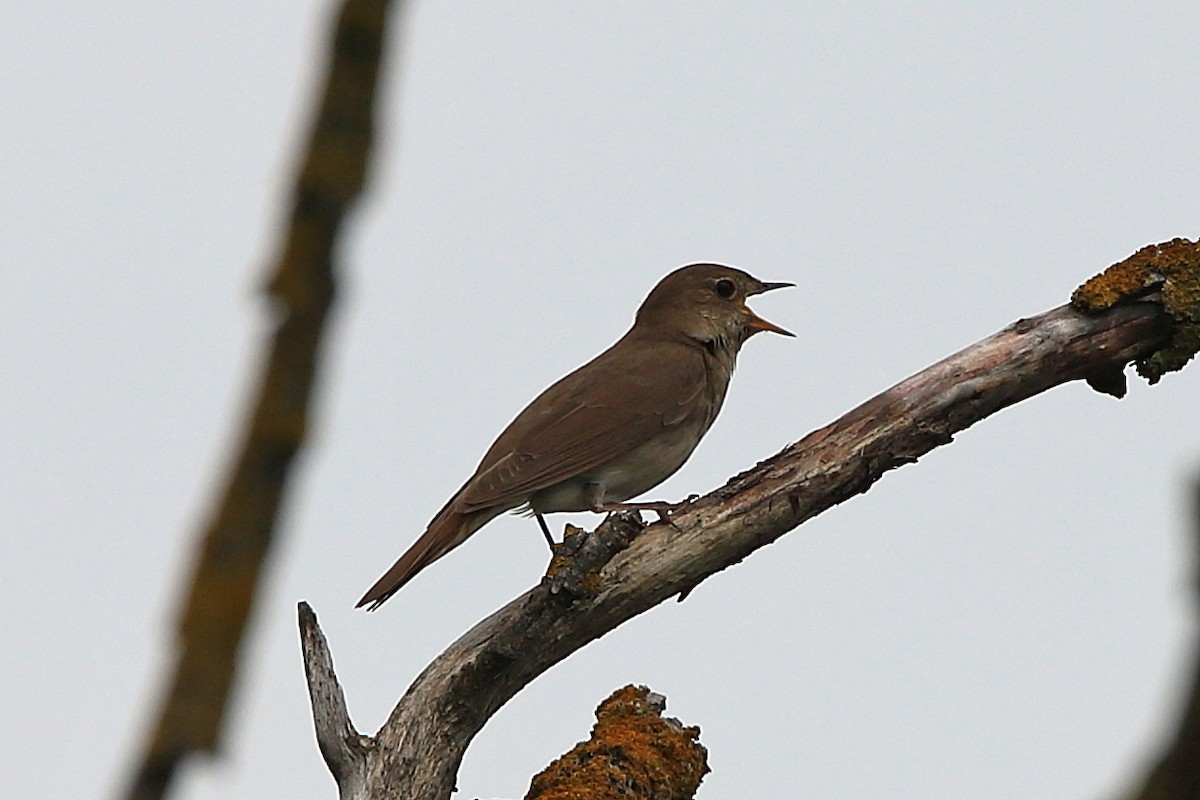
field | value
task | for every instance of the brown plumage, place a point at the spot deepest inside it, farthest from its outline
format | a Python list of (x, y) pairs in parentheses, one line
[(614, 428)]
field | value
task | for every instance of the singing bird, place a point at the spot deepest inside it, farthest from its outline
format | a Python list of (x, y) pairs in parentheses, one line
[(613, 429)]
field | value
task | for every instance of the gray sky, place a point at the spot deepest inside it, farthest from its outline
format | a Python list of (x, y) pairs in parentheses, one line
[(1008, 618)]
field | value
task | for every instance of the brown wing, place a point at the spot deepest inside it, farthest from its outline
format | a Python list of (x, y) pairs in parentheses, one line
[(600, 411)]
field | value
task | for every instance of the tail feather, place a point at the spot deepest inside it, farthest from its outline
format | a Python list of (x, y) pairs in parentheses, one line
[(447, 531)]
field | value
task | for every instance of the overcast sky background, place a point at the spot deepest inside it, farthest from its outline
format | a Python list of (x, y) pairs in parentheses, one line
[(1008, 618)]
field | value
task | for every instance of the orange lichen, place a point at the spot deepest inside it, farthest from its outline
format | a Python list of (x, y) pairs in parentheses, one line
[(633, 753), (1170, 269)]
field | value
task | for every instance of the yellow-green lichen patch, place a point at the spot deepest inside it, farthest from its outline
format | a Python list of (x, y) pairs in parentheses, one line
[(1171, 269), (633, 753), (560, 561)]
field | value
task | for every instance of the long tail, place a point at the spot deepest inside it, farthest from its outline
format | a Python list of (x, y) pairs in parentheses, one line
[(447, 531)]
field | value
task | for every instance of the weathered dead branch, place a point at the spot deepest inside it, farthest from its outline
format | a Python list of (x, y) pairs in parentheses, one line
[(416, 754)]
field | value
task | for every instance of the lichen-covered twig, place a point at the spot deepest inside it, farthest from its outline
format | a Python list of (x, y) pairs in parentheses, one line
[(634, 753), (1170, 270)]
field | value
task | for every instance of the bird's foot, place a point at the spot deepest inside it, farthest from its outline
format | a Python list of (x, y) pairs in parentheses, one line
[(663, 508)]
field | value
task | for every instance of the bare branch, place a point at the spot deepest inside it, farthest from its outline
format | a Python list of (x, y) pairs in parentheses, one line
[(420, 747), (343, 747)]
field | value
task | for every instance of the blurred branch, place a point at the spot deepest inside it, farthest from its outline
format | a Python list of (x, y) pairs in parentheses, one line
[(242, 525), (417, 752), (1176, 776)]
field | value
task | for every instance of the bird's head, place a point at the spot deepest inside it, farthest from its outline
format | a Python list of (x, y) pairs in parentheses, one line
[(707, 303)]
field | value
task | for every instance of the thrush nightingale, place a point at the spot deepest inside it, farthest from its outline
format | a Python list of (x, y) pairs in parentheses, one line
[(614, 428)]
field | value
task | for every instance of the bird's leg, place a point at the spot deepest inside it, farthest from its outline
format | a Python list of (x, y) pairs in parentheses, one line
[(545, 530)]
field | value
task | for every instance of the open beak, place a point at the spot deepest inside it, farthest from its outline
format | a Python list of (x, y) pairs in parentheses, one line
[(755, 323)]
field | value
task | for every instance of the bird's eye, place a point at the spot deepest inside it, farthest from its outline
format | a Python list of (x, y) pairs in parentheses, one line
[(725, 288)]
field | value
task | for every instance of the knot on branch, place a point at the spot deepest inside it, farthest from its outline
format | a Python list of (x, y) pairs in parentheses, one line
[(1171, 269), (575, 569), (634, 752)]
